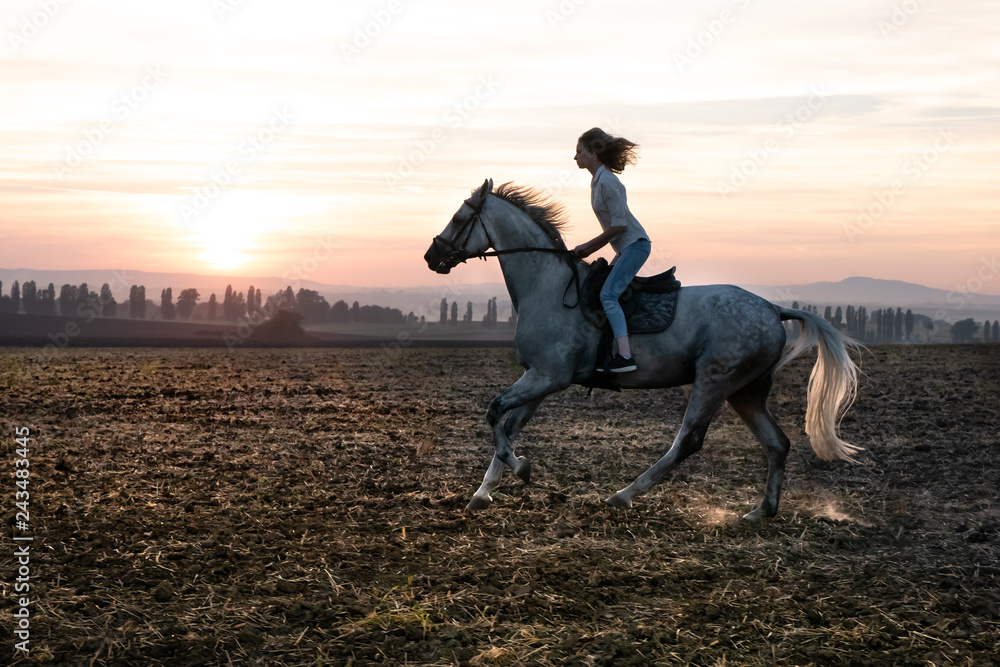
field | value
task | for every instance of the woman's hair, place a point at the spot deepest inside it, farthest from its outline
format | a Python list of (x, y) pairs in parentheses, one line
[(613, 152)]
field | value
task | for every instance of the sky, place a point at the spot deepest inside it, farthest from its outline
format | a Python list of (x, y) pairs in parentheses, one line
[(781, 142)]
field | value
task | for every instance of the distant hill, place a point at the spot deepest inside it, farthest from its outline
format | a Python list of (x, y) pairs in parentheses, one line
[(875, 293), (425, 300), (871, 292)]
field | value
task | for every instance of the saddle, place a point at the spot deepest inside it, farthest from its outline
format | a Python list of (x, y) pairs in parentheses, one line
[(649, 304)]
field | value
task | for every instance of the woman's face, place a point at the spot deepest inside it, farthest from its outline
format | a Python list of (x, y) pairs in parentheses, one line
[(584, 157)]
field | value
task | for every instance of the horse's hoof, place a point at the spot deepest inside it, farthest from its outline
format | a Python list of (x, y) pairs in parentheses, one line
[(523, 470), (477, 504), (617, 501), (755, 515)]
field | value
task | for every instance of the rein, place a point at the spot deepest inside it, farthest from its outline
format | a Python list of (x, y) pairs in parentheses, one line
[(574, 280)]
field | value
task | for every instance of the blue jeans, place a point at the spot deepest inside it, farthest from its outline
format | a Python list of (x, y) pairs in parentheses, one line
[(624, 269)]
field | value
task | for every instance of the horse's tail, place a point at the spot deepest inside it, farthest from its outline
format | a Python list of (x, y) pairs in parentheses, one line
[(833, 382)]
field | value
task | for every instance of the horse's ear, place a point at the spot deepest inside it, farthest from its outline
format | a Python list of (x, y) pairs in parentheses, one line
[(485, 190)]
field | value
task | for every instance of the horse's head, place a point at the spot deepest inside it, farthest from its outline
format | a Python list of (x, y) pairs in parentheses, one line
[(464, 237)]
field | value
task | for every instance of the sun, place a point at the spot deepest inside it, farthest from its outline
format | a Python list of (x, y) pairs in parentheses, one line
[(227, 231), (224, 258), (224, 242), (238, 227)]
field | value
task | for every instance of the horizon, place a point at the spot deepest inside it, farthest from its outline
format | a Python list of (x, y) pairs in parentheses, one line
[(124, 276), (779, 145), (891, 291)]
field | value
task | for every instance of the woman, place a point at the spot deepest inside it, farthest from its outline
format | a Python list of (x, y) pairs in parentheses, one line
[(604, 156)]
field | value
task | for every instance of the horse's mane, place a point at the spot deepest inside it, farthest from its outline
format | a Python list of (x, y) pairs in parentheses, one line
[(549, 216)]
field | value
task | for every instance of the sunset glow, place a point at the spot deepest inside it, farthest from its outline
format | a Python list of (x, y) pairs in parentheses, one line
[(780, 142)]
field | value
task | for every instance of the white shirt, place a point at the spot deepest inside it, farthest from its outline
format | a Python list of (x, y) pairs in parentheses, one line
[(607, 196)]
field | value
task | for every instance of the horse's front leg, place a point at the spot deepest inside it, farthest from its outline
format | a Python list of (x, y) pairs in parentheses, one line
[(521, 400), (515, 421), (504, 443), (481, 498)]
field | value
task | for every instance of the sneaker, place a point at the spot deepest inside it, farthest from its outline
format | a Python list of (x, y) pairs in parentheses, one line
[(622, 365)]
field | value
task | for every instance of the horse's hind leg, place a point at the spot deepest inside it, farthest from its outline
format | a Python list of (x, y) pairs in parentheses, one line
[(515, 421), (750, 404), (706, 398)]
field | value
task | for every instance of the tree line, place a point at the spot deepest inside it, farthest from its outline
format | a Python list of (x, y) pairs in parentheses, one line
[(81, 301), (885, 325), (489, 319), (888, 325)]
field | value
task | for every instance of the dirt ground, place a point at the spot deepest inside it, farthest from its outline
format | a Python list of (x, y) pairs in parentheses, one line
[(305, 507)]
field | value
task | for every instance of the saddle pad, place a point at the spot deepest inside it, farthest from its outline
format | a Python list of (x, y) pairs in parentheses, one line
[(649, 313), (648, 303)]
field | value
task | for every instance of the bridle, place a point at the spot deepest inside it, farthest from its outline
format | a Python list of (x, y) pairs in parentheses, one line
[(457, 254)]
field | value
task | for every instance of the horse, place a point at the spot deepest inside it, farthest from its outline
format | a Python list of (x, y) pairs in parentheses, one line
[(725, 342)]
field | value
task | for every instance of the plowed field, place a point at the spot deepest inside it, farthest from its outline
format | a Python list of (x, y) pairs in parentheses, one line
[(305, 507)]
